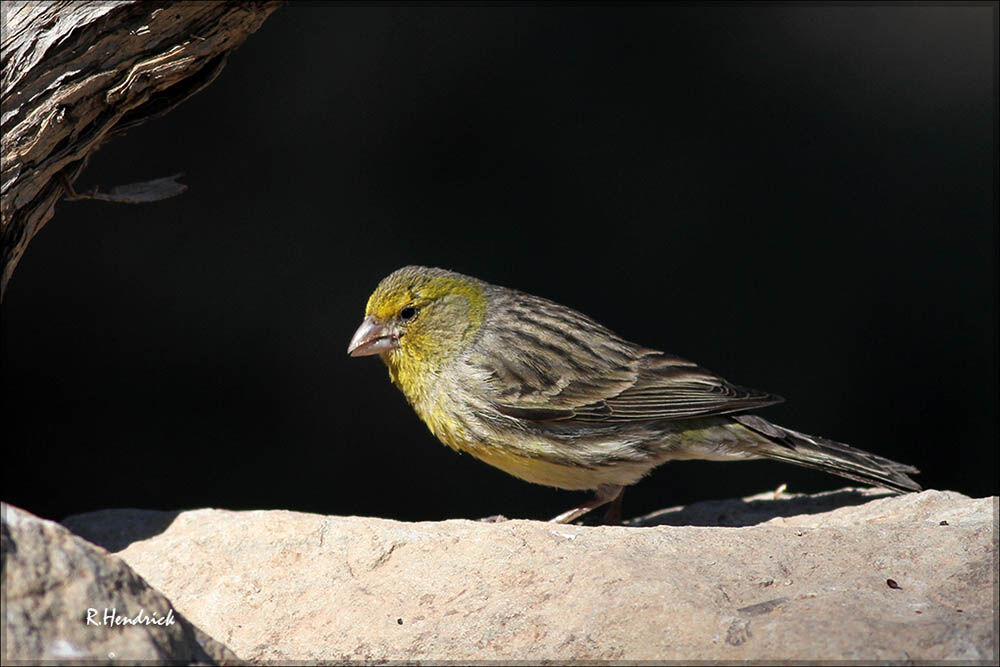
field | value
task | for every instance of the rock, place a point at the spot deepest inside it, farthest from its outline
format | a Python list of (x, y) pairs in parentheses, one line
[(53, 582), (839, 576)]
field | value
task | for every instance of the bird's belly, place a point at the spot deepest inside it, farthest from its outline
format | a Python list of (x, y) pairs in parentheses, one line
[(570, 475), (542, 461), (545, 461), (604, 456), (615, 457)]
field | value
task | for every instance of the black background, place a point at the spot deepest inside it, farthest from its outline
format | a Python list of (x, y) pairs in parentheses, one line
[(798, 198)]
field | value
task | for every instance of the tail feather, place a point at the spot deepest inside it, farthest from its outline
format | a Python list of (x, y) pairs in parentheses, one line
[(833, 457)]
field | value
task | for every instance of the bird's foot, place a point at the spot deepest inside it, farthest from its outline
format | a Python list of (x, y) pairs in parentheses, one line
[(604, 495)]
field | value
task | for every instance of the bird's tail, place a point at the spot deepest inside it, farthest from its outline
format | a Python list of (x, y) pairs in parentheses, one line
[(834, 457)]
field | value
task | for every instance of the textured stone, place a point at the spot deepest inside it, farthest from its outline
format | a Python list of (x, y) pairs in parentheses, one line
[(51, 578), (797, 578)]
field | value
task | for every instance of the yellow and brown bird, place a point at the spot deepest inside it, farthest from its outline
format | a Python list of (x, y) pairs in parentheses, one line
[(548, 395)]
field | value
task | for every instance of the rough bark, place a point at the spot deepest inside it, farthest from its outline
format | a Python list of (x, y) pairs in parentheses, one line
[(75, 74)]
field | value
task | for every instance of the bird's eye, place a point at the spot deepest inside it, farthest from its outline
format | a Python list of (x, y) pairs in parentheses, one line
[(408, 313)]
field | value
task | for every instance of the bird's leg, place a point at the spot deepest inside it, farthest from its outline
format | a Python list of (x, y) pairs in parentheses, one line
[(613, 515), (604, 495)]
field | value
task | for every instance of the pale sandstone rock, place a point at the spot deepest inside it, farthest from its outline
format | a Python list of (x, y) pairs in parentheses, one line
[(803, 578), (51, 578)]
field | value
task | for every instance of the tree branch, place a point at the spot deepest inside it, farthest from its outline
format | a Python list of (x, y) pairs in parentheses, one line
[(75, 74)]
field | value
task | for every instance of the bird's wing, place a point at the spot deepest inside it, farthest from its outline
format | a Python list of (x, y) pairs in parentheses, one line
[(545, 362), (669, 387)]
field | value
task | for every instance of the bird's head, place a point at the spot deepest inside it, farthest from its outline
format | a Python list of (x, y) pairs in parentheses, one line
[(420, 317)]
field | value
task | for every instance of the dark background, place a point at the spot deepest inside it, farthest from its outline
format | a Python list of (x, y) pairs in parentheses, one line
[(798, 198)]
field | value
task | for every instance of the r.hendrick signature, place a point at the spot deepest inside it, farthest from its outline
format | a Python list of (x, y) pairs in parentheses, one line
[(112, 617)]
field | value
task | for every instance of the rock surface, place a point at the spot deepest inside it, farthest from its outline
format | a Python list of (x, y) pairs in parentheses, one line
[(51, 578), (840, 576)]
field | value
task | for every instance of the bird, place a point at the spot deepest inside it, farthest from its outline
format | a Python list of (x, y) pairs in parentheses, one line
[(549, 395)]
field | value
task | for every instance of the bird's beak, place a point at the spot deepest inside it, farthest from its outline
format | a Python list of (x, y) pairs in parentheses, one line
[(372, 337)]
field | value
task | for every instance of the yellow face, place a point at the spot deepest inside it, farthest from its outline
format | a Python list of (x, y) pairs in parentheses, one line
[(417, 319), (392, 297)]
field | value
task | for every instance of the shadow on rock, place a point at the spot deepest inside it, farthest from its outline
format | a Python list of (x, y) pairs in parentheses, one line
[(736, 512), (117, 528)]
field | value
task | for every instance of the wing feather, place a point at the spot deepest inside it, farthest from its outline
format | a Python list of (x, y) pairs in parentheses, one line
[(542, 362)]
